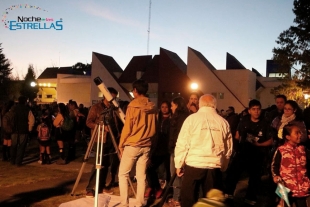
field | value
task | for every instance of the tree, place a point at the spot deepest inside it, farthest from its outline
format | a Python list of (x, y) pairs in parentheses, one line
[(29, 90), (293, 51), (5, 72), (81, 66), (292, 90)]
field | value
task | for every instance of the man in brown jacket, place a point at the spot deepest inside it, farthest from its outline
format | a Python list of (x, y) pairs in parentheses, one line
[(135, 141)]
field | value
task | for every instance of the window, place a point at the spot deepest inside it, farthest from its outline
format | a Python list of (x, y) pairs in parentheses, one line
[(49, 96), (170, 96), (152, 95), (220, 95), (40, 96)]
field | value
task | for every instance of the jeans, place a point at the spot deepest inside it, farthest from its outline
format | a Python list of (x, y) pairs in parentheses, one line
[(152, 175), (177, 181), (130, 156), (19, 143)]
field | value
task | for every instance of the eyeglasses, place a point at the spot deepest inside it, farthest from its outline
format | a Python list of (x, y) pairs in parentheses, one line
[(288, 109)]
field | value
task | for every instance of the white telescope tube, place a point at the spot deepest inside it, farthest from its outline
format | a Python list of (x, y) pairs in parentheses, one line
[(109, 97)]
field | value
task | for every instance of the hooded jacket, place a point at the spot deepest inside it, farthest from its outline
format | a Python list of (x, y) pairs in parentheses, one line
[(140, 123), (289, 162)]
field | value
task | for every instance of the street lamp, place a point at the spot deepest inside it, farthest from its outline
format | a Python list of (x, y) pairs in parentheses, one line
[(33, 84), (194, 86)]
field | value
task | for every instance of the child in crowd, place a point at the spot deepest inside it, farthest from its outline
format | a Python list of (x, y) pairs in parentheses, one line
[(289, 166), (214, 198), (44, 129)]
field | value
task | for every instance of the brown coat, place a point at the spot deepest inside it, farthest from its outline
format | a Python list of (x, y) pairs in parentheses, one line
[(140, 123), (95, 115)]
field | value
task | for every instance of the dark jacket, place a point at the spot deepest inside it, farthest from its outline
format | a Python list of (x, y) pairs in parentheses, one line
[(175, 127), (233, 121), (160, 145), (23, 119)]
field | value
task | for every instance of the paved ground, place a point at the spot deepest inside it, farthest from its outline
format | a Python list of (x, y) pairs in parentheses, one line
[(25, 195)]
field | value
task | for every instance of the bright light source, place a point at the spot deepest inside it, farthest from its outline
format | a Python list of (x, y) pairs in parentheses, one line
[(33, 84), (194, 86), (48, 85), (131, 94)]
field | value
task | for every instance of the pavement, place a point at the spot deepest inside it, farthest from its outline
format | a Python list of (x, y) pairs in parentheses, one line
[(25, 195)]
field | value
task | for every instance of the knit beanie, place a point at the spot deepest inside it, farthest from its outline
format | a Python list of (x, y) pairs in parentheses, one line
[(215, 198)]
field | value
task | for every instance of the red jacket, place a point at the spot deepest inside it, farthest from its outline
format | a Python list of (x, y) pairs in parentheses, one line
[(289, 162)]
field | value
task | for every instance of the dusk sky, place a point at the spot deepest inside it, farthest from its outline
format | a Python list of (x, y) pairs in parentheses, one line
[(247, 29)]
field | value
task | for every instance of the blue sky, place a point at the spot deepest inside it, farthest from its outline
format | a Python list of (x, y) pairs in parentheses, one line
[(247, 29)]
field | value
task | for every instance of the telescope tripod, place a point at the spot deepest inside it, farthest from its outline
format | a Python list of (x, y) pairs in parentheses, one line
[(99, 133)]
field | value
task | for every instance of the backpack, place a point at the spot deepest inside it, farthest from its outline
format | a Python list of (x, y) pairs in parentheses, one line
[(8, 122), (44, 133), (67, 124)]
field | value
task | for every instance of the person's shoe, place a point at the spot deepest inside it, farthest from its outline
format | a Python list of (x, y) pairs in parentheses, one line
[(108, 191), (40, 162), (173, 203), (158, 193), (148, 192), (250, 202), (90, 194), (48, 160), (112, 185), (61, 161)]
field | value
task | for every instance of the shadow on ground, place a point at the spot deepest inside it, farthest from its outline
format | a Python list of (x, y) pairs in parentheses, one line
[(27, 198)]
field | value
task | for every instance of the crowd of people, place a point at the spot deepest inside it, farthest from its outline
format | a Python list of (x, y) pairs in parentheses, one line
[(190, 142), (23, 121)]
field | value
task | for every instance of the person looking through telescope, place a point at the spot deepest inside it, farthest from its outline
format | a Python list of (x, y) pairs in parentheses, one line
[(100, 112)]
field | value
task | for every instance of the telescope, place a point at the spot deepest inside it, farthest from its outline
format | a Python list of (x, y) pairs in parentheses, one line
[(99, 83), (100, 139)]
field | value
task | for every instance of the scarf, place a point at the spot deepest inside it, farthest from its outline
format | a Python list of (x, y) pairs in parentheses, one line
[(285, 121)]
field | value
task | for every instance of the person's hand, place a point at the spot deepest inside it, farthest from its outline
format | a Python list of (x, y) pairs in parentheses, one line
[(121, 151), (255, 143), (193, 108), (276, 179), (106, 128), (179, 172)]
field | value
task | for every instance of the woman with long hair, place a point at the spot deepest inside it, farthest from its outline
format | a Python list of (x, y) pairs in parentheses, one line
[(179, 114), (60, 134), (292, 115), (159, 152)]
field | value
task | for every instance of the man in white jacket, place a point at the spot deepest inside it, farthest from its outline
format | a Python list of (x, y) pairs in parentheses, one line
[(202, 151)]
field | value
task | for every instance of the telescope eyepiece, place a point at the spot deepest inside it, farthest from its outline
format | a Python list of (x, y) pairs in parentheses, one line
[(97, 81)]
